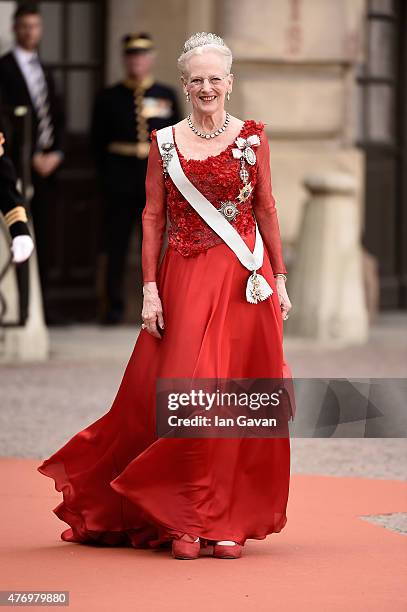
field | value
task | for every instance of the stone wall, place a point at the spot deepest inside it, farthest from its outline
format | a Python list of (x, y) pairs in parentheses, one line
[(6, 12), (294, 67)]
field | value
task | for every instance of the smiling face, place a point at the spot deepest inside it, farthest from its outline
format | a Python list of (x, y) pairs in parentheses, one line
[(207, 82)]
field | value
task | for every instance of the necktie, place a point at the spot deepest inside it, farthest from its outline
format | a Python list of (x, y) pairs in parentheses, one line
[(45, 136)]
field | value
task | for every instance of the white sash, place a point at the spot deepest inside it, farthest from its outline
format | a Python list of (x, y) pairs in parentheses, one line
[(257, 288)]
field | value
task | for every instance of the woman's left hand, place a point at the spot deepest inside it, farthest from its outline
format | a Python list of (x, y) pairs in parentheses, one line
[(284, 300)]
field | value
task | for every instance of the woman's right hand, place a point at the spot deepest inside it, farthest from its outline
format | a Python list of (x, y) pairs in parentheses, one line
[(152, 313)]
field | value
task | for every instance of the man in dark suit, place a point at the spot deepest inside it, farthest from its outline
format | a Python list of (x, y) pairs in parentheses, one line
[(123, 118), (24, 82)]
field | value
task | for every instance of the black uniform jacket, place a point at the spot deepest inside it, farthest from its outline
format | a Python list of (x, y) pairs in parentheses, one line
[(117, 128), (11, 200)]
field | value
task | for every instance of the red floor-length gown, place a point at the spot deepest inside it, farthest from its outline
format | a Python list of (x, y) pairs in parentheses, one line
[(123, 486)]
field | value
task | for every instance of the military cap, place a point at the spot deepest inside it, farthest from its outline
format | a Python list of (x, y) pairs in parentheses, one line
[(138, 42)]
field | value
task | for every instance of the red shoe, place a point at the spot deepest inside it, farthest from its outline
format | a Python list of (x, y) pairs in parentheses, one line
[(186, 547), (226, 551)]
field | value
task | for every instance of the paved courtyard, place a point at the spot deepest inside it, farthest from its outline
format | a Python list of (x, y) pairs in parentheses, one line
[(44, 404), (345, 539)]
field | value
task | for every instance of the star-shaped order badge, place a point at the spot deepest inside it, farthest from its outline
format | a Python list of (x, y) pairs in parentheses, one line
[(229, 210), (245, 192)]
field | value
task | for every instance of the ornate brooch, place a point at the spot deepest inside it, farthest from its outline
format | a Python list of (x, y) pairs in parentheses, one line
[(167, 155), (229, 210), (245, 153)]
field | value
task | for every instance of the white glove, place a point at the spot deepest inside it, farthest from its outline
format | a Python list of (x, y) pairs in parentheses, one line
[(22, 247)]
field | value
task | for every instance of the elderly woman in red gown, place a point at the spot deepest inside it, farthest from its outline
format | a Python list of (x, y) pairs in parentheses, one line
[(123, 485)]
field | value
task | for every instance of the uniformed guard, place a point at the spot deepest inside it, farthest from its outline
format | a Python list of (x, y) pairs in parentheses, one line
[(13, 208), (123, 117), (15, 218)]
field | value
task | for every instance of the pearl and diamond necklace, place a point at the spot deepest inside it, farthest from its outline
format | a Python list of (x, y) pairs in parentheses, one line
[(202, 134)]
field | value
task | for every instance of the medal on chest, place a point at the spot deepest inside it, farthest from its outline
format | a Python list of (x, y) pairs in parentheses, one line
[(229, 210), (246, 154), (245, 192)]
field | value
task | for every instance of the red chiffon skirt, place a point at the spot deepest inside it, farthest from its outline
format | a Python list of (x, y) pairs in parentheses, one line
[(121, 484)]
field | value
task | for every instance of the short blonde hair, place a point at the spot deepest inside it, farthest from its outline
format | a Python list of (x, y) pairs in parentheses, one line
[(200, 42)]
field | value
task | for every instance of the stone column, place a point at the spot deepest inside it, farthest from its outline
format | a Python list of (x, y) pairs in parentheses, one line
[(294, 66), (326, 285), (29, 342)]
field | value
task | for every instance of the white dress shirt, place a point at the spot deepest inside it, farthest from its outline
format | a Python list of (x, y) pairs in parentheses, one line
[(37, 87), (30, 72)]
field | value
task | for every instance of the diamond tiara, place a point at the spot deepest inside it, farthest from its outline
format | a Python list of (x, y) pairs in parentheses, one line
[(201, 39)]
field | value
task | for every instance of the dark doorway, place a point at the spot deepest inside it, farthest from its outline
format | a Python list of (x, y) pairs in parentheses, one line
[(383, 82), (73, 48)]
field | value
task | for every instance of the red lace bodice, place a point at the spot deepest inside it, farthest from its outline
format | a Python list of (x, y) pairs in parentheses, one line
[(217, 177)]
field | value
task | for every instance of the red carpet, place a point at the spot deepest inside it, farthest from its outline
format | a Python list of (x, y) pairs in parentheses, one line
[(326, 558)]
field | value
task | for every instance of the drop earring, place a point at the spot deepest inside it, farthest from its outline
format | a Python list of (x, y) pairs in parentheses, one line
[(228, 96), (187, 96)]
